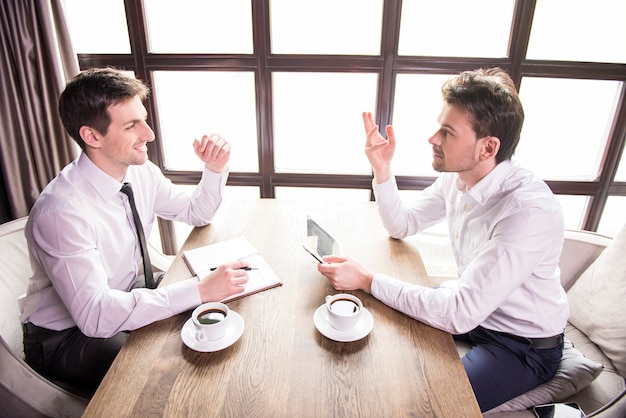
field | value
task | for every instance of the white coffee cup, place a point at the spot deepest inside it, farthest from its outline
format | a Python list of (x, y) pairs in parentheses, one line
[(211, 321), (344, 311)]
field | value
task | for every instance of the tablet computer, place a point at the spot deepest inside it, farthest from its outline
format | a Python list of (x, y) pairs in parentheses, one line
[(559, 410), (318, 242)]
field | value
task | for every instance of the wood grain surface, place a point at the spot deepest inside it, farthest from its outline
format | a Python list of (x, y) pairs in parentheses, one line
[(282, 366)]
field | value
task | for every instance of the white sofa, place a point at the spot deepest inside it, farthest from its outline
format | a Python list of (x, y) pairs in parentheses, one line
[(23, 392), (596, 329)]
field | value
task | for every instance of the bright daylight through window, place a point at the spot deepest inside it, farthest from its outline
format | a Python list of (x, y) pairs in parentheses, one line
[(286, 81)]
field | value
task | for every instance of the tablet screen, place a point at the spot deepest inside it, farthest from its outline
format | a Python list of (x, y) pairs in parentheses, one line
[(319, 242), (558, 410)]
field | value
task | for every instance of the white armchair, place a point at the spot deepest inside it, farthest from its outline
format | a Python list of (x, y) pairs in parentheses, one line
[(23, 392)]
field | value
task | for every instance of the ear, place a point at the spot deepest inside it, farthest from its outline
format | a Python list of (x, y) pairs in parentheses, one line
[(490, 147), (91, 137)]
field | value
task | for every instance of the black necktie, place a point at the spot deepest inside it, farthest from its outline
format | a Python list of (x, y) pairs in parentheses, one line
[(147, 266)]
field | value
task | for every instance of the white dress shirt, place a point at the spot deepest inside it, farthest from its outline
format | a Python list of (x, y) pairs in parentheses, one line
[(85, 255), (506, 234)]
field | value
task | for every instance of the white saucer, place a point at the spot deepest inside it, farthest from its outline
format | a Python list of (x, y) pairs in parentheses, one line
[(234, 331), (362, 328)]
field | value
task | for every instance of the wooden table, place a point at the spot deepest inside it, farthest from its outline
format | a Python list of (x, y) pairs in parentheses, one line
[(282, 366)]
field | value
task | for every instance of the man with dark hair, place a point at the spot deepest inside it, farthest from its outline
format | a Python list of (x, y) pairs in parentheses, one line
[(506, 231), (86, 233)]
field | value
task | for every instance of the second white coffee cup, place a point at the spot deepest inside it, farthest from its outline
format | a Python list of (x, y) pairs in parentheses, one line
[(344, 311), (211, 321)]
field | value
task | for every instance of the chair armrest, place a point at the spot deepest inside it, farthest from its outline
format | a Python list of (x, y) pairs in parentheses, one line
[(580, 249)]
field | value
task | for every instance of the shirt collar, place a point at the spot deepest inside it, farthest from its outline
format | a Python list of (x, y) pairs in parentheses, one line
[(106, 186), (489, 184)]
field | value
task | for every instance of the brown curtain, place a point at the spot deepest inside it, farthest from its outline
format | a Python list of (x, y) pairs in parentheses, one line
[(37, 59)]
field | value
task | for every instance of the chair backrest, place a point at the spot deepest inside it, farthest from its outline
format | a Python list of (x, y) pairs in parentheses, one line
[(15, 270), (23, 392), (580, 249)]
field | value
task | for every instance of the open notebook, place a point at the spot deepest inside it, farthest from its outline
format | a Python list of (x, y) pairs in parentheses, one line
[(202, 259)]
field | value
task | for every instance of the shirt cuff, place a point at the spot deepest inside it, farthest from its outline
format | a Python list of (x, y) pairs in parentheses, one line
[(386, 187), (389, 290), (381, 283), (214, 181), (183, 295)]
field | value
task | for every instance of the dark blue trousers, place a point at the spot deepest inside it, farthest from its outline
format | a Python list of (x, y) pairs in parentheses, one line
[(501, 367)]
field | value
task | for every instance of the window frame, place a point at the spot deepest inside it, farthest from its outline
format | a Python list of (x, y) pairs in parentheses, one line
[(387, 65)]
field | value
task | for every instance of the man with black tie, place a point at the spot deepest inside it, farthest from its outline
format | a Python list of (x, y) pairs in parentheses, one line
[(86, 233)]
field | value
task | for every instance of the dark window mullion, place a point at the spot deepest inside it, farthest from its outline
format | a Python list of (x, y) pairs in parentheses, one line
[(389, 52), (263, 77), (139, 49), (520, 36), (609, 165), (138, 36), (576, 70)]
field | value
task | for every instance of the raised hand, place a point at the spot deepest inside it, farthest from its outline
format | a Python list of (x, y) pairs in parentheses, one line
[(213, 150), (379, 151)]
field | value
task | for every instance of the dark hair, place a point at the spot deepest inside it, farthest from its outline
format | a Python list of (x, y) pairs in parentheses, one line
[(87, 97), (490, 97)]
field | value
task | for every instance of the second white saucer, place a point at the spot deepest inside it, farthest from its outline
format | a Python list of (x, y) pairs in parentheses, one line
[(361, 329), (234, 331)]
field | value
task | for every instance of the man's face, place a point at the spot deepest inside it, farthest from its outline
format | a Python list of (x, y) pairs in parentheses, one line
[(125, 142), (455, 146)]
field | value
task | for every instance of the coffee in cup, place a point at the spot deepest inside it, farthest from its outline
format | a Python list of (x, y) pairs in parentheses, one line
[(211, 321), (344, 311), (211, 316)]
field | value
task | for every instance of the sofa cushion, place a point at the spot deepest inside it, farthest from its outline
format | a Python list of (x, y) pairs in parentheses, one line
[(574, 373), (597, 302), (606, 386)]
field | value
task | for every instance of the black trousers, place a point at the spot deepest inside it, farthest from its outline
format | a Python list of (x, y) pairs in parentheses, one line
[(69, 356)]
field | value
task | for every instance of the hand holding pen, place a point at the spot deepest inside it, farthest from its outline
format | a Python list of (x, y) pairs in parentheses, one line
[(223, 281)]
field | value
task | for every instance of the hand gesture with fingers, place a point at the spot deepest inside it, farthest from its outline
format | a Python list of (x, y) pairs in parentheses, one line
[(213, 150), (379, 151)]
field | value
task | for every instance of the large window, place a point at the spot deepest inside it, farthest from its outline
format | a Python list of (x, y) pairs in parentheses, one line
[(285, 81)]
